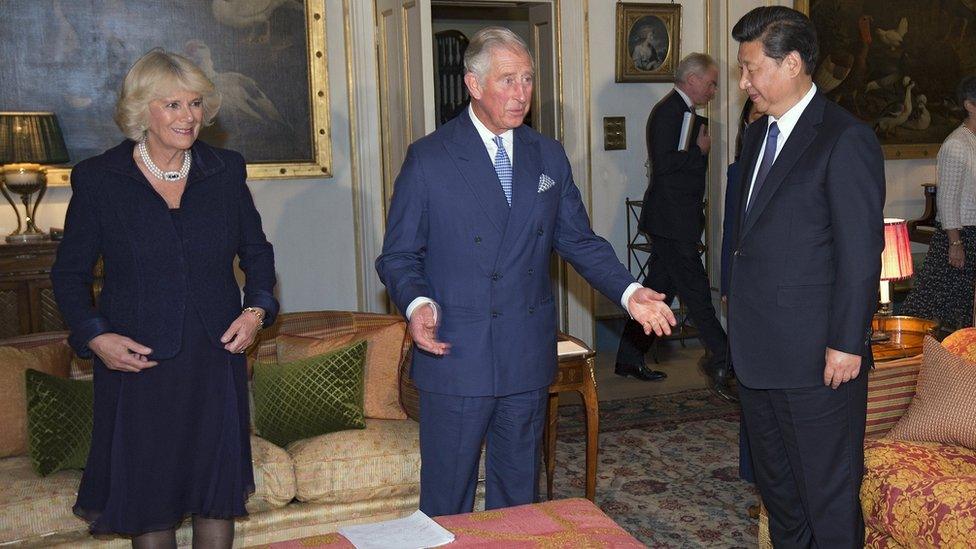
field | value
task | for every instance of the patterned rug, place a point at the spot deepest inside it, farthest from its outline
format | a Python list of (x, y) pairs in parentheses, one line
[(668, 469)]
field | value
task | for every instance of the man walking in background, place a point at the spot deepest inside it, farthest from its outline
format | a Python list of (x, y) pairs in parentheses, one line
[(677, 147)]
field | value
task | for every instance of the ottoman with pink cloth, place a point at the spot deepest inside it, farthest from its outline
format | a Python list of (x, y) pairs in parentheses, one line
[(568, 523)]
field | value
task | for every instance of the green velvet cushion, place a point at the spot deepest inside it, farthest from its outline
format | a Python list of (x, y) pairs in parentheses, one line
[(59, 422), (310, 397)]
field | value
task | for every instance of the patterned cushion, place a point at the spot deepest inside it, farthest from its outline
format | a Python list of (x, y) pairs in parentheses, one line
[(32, 506), (328, 324), (310, 397), (381, 461), (944, 406), (274, 477), (920, 493), (59, 422), (962, 343), (51, 357), (383, 351)]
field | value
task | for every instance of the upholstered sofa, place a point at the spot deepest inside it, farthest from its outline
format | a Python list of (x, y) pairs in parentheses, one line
[(313, 486), (914, 494)]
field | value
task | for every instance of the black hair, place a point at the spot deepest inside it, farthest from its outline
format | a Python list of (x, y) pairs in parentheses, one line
[(966, 91), (743, 124), (782, 30)]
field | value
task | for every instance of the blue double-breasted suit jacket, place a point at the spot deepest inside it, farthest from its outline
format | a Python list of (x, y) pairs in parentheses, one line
[(452, 237)]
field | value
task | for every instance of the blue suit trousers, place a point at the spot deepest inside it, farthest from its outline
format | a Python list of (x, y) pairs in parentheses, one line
[(452, 429)]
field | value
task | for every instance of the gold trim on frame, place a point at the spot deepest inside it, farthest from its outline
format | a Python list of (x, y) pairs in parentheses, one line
[(627, 14), (894, 151), (318, 71)]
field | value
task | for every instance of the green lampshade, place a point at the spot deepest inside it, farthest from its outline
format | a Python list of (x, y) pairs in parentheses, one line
[(31, 137)]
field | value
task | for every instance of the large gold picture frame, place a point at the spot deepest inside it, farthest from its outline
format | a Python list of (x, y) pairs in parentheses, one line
[(648, 42), (884, 60), (271, 70)]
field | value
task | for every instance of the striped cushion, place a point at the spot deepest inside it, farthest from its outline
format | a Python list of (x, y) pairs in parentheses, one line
[(890, 389)]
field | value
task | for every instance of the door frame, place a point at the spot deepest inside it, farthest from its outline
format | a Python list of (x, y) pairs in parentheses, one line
[(572, 59)]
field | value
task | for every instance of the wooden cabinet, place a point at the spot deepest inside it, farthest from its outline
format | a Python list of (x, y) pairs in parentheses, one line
[(26, 299)]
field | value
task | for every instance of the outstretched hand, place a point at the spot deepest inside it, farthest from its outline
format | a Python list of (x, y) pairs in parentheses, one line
[(649, 309), (423, 329)]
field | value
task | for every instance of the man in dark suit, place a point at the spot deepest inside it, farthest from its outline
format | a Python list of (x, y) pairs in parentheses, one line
[(478, 208), (807, 241), (672, 217)]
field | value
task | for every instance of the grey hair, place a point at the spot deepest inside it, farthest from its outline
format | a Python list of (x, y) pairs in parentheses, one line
[(477, 58), (693, 63)]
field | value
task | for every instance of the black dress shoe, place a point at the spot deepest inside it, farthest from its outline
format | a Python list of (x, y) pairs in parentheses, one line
[(722, 391), (640, 372), (718, 384)]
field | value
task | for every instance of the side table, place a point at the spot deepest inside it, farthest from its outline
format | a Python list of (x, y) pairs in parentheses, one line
[(575, 374), (906, 334)]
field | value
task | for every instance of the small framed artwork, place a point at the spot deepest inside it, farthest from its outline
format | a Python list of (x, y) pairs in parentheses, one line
[(648, 42)]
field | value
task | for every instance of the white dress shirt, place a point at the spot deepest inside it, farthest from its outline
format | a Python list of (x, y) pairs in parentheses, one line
[(785, 123), (686, 98)]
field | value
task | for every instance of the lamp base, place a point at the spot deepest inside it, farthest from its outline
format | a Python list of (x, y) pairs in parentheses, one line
[(25, 238)]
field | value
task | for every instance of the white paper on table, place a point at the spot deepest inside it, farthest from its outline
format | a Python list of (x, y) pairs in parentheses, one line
[(570, 348), (416, 531)]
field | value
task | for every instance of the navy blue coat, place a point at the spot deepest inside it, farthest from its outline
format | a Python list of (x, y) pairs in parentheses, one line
[(806, 257), (151, 275), (451, 237)]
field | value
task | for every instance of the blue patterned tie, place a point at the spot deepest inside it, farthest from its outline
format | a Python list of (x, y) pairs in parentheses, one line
[(503, 167), (769, 155)]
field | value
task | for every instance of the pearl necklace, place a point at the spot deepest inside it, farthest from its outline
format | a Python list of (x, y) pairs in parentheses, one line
[(160, 174)]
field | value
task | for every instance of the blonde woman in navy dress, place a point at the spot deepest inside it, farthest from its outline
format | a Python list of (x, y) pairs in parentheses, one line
[(168, 214)]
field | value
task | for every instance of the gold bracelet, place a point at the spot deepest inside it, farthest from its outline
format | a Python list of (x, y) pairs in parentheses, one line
[(256, 312), (956, 243)]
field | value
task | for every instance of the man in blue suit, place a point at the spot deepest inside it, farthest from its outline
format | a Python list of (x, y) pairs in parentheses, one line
[(807, 236), (478, 208)]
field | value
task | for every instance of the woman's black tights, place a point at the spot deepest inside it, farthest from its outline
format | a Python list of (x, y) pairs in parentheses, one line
[(208, 533)]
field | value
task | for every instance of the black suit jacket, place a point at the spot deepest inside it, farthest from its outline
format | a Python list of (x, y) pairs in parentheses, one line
[(152, 276), (673, 199), (806, 260)]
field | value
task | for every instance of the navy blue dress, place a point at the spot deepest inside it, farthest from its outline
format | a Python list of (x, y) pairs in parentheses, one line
[(170, 441)]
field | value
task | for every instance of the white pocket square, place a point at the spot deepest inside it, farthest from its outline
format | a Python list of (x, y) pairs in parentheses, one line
[(545, 183)]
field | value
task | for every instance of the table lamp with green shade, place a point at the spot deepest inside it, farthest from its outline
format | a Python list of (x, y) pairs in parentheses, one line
[(29, 141)]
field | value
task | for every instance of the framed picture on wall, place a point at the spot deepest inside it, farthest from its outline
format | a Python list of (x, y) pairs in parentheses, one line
[(269, 66), (648, 42), (895, 64)]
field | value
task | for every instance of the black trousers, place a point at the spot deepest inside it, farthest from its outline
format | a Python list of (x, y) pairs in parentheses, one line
[(675, 268), (808, 454)]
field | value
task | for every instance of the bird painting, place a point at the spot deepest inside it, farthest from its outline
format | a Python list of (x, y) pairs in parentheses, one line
[(241, 97), (921, 119), (893, 37), (896, 114), (251, 15)]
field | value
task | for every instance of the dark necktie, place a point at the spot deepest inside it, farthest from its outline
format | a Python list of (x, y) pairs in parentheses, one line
[(769, 155)]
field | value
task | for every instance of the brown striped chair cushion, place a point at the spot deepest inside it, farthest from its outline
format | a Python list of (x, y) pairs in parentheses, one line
[(890, 389)]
